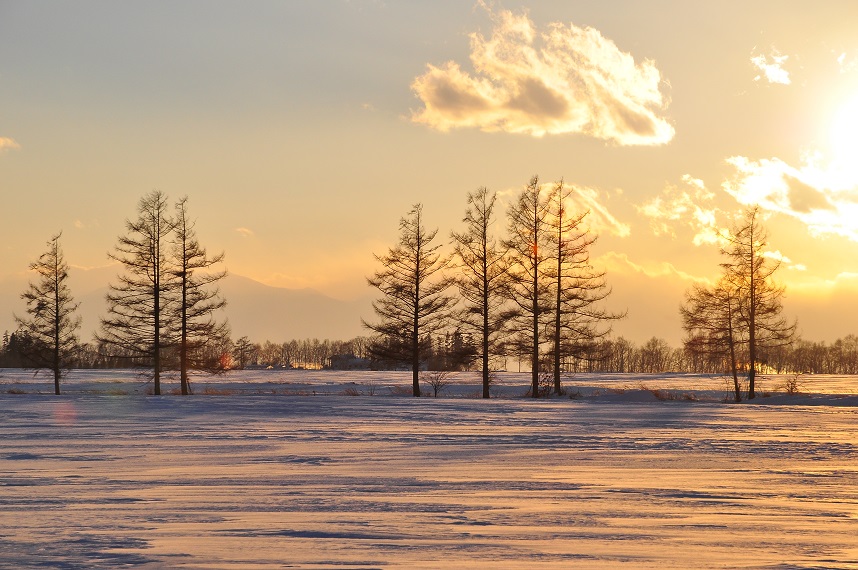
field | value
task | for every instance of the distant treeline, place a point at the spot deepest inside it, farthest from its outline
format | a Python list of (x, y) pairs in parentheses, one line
[(453, 352)]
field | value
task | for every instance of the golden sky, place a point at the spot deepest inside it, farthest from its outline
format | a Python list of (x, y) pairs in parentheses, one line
[(302, 132)]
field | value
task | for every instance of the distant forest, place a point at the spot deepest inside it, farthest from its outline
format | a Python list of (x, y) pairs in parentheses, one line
[(449, 353)]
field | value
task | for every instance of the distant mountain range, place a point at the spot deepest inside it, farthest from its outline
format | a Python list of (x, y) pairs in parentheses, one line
[(261, 312), (255, 310)]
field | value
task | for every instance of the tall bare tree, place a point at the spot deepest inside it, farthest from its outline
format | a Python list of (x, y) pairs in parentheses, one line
[(529, 244), (578, 288), (138, 322), (197, 298), (483, 278), (413, 306), (752, 274), (51, 323)]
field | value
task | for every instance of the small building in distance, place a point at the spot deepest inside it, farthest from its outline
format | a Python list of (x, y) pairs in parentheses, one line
[(348, 362)]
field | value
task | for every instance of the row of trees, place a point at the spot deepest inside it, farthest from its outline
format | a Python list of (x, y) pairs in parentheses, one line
[(160, 312), (532, 295), (533, 292)]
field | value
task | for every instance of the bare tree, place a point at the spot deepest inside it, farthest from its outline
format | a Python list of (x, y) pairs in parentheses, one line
[(198, 298), (483, 279), (710, 317), (138, 323), (530, 256), (579, 321), (751, 272), (413, 306), (243, 352), (438, 380), (51, 323)]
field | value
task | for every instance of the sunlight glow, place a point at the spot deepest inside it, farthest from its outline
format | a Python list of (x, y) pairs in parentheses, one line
[(844, 145)]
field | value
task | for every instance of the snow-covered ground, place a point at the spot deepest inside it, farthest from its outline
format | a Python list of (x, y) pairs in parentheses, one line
[(274, 469)]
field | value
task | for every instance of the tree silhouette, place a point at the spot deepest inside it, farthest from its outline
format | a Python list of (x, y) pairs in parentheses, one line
[(710, 317), (51, 324), (750, 272), (579, 321), (197, 299), (482, 280), (413, 306), (530, 256), (138, 322)]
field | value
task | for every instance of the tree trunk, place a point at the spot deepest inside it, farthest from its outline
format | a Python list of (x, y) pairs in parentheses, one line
[(57, 323), (183, 346), (534, 356), (157, 348), (485, 323), (752, 329)]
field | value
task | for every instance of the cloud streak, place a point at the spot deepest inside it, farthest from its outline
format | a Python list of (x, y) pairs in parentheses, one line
[(600, 219), (563, 79), (615, 262)]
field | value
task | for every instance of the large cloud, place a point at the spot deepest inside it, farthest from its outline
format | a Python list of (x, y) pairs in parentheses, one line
[(564, 79), (820, 197)]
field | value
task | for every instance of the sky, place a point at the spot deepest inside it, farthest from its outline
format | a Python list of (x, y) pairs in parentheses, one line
[(302, 131)]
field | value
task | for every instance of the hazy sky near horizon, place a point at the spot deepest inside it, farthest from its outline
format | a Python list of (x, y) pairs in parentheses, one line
[(302, 131)]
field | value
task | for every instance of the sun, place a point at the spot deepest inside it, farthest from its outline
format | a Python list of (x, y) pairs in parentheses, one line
[(844, 130), (844, 142)]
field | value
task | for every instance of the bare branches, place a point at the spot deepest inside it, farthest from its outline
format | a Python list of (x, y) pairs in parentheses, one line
[(51, 324), (198, 298), (413, 305), (529, 249), (166, 297), (483, 279), (579, 319), (745, 306)]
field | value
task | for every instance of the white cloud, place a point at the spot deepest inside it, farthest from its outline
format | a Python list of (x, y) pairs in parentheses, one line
[(563, 79), (244, 232), (777, 256), (689, 205), (821, 197), (8, 144), (845, 63), (770, 67)]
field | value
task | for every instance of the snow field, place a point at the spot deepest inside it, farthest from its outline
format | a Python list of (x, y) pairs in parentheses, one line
[(95, 479)]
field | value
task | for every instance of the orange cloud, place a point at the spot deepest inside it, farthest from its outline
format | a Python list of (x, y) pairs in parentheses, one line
[(564, 79), (688, 204), (8, 144)]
